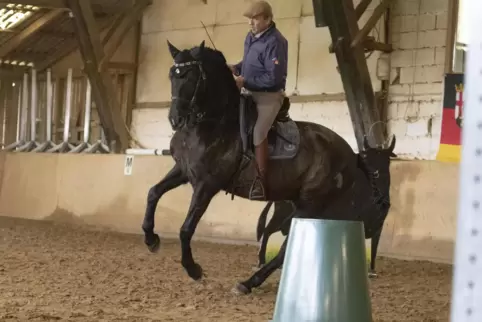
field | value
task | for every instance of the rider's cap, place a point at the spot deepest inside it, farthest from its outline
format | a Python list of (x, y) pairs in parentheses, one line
[(259, 8)]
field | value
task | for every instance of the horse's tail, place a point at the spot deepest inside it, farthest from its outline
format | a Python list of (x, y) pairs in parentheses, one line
[(262, 221)]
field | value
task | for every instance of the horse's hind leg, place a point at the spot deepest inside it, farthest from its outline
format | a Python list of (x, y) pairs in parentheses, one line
[(272, 227), (280, 221), (262, 247), (263, 273), (173, 179)]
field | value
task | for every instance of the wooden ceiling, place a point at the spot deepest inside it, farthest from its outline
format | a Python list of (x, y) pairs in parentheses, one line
[(48, 34)]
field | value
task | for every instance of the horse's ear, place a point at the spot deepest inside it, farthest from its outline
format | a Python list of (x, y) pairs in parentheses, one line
[(201, 47), (172, 49), (392, 145)]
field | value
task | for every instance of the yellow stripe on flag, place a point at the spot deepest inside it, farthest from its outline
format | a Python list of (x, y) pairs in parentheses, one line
[(449, 153)]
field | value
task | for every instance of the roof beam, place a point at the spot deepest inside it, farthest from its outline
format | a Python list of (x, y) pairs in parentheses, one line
[(69, 46), (12, 73), (129, 18), (361, 8), (122, 66), (371, 22), (53, 4), (103, 92), (15, 41)]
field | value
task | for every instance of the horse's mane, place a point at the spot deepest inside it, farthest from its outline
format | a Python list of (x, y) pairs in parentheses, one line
[(215, 62), (215, 58)]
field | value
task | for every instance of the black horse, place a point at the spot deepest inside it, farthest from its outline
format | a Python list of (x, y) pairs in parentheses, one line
[(375, 164), (310, 164)]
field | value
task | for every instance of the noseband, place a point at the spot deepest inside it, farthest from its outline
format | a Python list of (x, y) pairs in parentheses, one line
[(194, 116)]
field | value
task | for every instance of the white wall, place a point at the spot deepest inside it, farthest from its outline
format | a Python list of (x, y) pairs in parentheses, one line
[(311, 70)]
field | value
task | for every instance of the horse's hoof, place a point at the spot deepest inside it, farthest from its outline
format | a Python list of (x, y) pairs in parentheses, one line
[(195, 272), (154, 244), (372, 275), (240, 289)]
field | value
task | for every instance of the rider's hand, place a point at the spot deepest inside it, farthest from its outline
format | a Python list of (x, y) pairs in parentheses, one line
[(240, 82), (232, 68)]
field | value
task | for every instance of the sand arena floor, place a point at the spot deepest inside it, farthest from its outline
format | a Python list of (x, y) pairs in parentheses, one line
[(56, 272)]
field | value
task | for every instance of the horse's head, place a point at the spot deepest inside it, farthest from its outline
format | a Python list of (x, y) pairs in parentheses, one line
[(197, 77), (376, 162), (188, 84)]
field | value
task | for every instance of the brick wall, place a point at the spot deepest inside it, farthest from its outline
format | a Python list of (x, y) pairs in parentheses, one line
[(418, 30)]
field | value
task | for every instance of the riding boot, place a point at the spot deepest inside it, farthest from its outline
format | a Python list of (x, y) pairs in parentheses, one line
[(258, 189)]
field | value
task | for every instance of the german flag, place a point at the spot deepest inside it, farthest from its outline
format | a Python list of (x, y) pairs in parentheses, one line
[(452, 119)]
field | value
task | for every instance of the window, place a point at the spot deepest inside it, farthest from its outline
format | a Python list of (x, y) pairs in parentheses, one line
[(13, 14)]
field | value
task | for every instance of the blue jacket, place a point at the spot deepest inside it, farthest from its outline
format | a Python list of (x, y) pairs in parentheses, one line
[(265, 61)]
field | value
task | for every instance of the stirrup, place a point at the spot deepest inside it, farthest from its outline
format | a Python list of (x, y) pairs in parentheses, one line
[(258, 190)]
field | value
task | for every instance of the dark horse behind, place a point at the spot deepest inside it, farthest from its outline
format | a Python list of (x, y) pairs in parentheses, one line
[(374, 171), (207, 148)]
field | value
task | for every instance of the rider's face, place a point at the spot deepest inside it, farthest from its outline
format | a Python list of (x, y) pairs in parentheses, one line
[(259, 23)]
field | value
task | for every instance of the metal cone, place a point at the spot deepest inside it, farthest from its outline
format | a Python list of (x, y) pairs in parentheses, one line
[(324, 277)]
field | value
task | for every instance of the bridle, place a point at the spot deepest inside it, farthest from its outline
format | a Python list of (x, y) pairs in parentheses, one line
[(378, 197), (194, 116)]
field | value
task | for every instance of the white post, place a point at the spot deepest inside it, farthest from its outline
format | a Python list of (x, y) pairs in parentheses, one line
[(33, 106), (68, 105), (467, 282), (49, 105), (87, 111)]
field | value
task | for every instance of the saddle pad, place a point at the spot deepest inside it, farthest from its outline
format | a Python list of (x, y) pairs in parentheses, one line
[(279, 148)]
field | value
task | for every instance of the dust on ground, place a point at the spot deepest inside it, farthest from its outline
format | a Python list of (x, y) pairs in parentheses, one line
[(52, 271)]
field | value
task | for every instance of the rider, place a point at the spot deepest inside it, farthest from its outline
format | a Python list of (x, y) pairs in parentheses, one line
[(263, 72)]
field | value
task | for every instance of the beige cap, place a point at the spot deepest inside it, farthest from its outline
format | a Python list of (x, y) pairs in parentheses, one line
[(258, 8)]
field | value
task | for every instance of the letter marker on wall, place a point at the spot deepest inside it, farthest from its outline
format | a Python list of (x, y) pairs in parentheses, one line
[(129, 161)]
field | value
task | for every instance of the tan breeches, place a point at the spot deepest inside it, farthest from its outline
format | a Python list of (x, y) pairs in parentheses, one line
[(268, 105)]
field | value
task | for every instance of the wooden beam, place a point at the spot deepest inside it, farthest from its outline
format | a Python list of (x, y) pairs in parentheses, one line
[(53, 34), (15, 41), (54, 4), (12, 73), (452, 22), (103, 91), (377, 13), (361, 8), (122, 66), (319, 13), (26, 57), (69, 46), (119, 34), (355, 76), (371, 44)]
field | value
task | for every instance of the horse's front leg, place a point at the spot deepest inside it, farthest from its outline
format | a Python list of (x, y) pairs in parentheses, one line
[(263, 273), (173, 179), (201, 198), (374, 250)]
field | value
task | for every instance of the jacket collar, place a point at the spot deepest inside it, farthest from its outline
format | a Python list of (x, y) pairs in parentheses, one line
[(265, 32)]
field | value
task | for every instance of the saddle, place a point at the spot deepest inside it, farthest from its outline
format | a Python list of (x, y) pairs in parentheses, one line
[(283, 136)]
